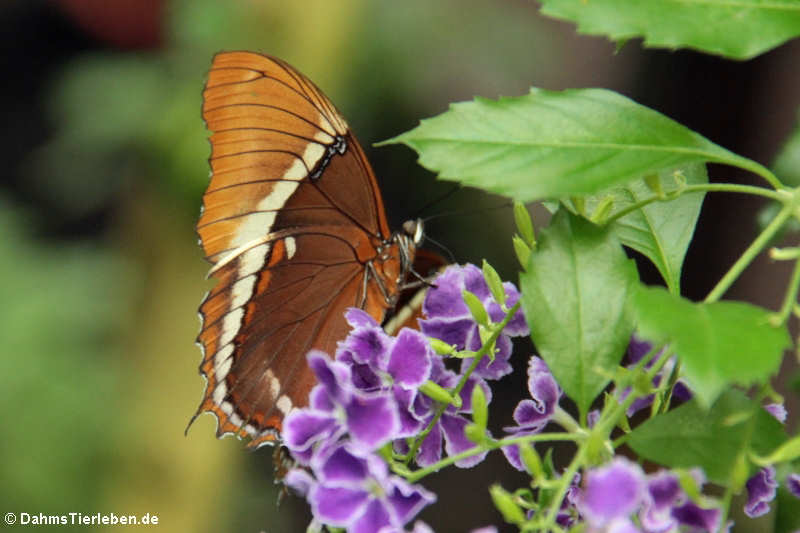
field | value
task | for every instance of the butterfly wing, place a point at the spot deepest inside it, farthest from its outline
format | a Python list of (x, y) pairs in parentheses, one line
[(294, 225)]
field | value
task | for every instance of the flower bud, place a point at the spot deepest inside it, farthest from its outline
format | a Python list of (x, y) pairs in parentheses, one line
[(522, 250), (475, 307), (495, 283), (480, 411), (524, 224), (504, 502)]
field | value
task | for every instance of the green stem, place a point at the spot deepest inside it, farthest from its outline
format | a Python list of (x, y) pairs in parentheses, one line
[(455, 392), (608, 420), (416, 475), (704, 187), (565, 482), (791, 296), (752, 251), (565, 420)]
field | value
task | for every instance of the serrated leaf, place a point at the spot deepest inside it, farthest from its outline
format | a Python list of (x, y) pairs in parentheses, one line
[(574, 295), (692, 435), (550, 145), (719, 344), (739, 29), (661, 231)]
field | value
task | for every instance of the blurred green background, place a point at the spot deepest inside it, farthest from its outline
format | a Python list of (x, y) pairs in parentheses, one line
[(105, 161)]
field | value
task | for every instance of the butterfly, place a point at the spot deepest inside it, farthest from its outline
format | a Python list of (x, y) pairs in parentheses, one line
[(294, 226)]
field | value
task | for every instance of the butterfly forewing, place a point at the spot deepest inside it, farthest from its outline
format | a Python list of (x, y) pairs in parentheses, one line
[(294, 225)]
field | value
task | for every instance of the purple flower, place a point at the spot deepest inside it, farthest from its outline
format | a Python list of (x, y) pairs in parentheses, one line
[(419, 527), (533, 415), (664, 492), (621, 525), (793, 484), (637, 349), (405, 360), (777, 410), (449, 429), (356, 491), (612, 492), (691, 515), (383, 363), (760, 491), (449, 319), (337, 407)]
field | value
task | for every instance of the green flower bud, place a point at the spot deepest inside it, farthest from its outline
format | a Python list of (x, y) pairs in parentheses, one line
[(504, 502), (480, 411), (495, 283), (524, 224), (475, 307)]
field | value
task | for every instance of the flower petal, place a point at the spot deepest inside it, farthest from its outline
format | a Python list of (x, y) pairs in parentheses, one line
[(456, 442), (333, 375), (375, 517), (431, 449), (407, 500), (474, 281), (793, 484), (304, 427), (690, 514), (410, 359), (341, 466), (777, 410), (299, 480), (488, 368), (444, 299), (337, 506), (760, 491), (367, 345), (359, 318), (372, 420), (613, 491), (452, 331)]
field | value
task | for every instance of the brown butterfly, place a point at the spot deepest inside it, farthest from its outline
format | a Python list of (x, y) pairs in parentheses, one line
[(294, 225)]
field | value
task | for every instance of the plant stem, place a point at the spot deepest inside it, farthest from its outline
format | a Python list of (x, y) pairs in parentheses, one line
[(565, 482), (704, 187), (791, 296), (416, 475), (752, 251), (455, 392)]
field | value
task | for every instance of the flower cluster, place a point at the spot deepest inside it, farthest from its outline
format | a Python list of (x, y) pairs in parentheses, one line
[(372, 395), (386, 401), (619, 490)]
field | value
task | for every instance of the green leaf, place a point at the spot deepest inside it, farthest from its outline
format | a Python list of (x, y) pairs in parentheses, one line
[(692, 435), (549, 145), (787, 514), (574, 294), (661, 231), (788, 451), (739, 29), (719, 344)]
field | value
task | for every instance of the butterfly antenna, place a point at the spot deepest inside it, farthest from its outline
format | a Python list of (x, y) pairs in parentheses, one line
[(465, 212), (440, 198), (450, 257)]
